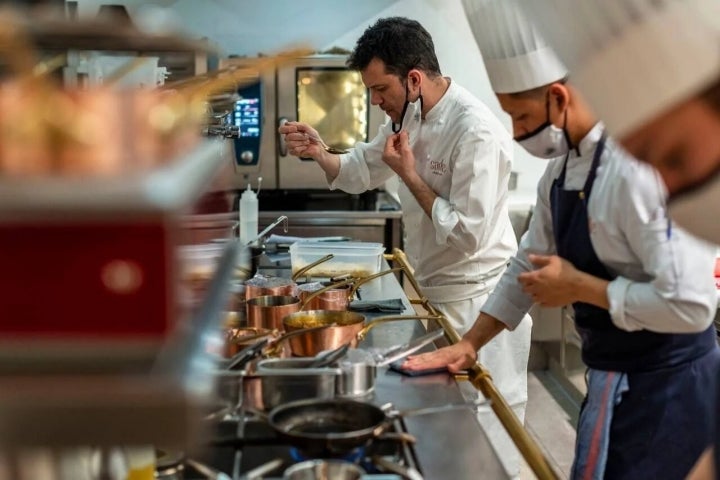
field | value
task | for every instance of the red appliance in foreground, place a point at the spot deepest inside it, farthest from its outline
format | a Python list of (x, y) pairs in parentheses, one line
[(89, 268)]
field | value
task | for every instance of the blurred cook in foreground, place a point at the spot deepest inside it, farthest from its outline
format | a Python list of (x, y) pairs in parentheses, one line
[(643, 293), (651, 71)]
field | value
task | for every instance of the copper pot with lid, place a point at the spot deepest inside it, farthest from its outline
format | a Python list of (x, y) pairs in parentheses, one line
[(262, 285)]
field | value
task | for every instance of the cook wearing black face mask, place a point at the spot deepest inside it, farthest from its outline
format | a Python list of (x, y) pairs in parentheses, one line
[(547, 141), (396, 128)]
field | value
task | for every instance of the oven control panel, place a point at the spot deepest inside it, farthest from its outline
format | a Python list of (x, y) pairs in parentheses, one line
[(247, 117)]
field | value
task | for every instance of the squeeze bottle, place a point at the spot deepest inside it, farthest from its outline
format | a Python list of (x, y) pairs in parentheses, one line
[(248, 216)]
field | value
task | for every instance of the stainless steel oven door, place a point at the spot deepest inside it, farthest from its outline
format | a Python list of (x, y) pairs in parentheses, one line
[(324, 93)]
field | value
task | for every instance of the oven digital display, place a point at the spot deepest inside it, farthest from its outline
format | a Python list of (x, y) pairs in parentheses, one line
[(247, 117)]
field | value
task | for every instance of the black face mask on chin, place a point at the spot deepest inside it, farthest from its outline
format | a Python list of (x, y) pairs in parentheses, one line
[(396, 128)]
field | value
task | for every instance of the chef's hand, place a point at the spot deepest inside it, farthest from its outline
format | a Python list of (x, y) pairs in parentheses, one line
[(398, 155), (300, 139), (553, 283), (457, 357)]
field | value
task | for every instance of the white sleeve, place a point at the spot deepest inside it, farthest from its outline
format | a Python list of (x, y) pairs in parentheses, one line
[(508, 303), (362, 168), (679, 293), (464, 221)]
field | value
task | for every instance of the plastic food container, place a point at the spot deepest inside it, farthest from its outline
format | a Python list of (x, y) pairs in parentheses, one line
[(358, 259)]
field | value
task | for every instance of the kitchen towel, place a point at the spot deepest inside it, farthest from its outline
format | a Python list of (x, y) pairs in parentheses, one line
[(605, 391), (393, 305)]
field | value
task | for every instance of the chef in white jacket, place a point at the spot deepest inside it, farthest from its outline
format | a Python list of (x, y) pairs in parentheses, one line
[(642, 290), (453, 159)]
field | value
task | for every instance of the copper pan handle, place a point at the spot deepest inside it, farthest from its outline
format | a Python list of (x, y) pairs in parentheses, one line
[(364, 280), (391, 318), (325, 289), (274, 349), (307, 268)]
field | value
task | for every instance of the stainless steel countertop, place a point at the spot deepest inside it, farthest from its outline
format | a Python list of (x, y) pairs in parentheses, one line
[(335, 214), (451, 444), (314, 216)]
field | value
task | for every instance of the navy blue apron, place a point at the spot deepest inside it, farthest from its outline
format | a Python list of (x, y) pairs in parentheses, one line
[(660, 427), (716, 425)]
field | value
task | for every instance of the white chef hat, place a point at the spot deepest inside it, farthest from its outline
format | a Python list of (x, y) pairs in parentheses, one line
[(516, 57), (633, 59)]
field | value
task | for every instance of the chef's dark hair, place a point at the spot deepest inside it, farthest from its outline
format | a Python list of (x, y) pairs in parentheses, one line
[(402, 44)]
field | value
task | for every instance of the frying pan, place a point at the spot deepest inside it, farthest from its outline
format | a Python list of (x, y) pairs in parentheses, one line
[(322, 428)]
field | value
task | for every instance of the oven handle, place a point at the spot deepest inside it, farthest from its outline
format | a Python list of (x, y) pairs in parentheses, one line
[(282, 146)]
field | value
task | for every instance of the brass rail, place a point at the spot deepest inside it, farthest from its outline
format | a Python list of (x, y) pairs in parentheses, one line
[(482, 381)]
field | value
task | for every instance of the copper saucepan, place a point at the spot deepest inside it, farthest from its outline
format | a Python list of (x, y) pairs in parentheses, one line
[(237, 338), (268, 311), (346, 327), (261, 285), (336, 296)]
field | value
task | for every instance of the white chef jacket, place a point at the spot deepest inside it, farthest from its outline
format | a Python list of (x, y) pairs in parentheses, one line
[(664, 280), (464, 154)]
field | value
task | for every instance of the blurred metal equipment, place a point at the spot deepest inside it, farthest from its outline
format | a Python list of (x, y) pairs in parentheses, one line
[(97, 346)]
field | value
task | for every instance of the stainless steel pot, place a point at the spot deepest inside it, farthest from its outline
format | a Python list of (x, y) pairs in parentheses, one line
[(169, 465), (357, 374), (277, 381), (324, 469)]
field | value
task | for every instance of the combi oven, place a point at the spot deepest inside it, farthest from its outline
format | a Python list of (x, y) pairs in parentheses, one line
[(319, 90)]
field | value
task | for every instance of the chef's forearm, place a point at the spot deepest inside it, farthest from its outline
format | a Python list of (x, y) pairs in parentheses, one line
[(485, 328), (592, 290), (330, 163), (424, 195)]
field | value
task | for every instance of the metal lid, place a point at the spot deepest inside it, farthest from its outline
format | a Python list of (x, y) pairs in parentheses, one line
[(261, 281)]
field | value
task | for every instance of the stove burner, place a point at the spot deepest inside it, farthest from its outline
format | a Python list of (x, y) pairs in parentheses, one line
[(354, 456)]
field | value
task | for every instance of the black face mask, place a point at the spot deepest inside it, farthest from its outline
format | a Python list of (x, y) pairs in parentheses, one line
[(397, 128), (544, 141), (542, 126)]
